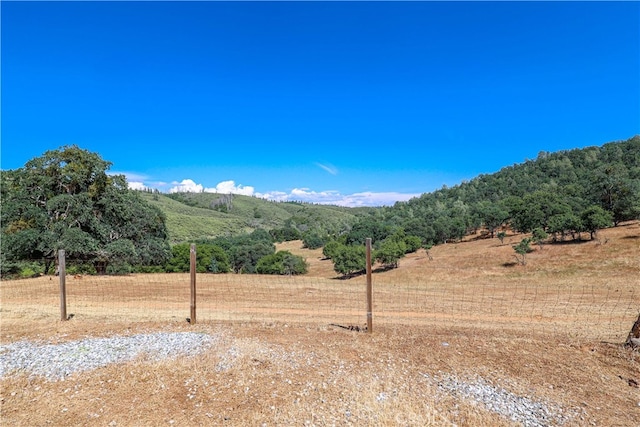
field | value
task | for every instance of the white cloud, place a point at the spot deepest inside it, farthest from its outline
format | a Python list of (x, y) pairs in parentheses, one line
[(328, 197), (186, 186), (224, 187), (336, 198), (329, 168), (375, 199), (227, 187), (134, 185), (276, 196)]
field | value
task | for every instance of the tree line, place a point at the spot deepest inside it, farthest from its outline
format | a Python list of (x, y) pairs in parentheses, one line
[(66, 199), (562, 195), (566, 193)]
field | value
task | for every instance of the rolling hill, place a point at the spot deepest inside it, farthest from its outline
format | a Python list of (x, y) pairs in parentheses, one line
[(196, 216), (572, 181)]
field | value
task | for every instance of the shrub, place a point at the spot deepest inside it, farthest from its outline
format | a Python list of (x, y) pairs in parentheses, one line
[(118, 269), (312, 241), (282, 262), (331, 249)]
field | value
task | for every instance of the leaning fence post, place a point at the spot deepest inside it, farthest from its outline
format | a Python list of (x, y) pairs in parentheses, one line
[(192, 269), (63, 287), (369, 289)]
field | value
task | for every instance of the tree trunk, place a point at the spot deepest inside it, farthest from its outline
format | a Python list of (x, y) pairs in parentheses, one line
[(633, 340)]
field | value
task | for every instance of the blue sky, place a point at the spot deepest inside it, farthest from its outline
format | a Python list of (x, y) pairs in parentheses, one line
[(353, 103)]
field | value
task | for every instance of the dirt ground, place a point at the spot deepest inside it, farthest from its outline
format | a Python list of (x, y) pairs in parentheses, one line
[(550, 331), (294, 375)]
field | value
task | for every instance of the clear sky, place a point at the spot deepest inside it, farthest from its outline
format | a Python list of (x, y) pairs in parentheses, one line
[(354, 103)]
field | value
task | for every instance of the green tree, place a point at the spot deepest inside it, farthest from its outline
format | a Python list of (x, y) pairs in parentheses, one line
[(539, 235), (209, 259), (180, 259), (350, 259), (522, 249), (390, 252), (595, 218), (564, 224), (245, 257), (219, 260), (492, 215), (312, 240), (536, 209), (420, 228), (368, 227), (413, 243), (617, 191), (331, 248), (283, 263), (285, 234), (66, 200)]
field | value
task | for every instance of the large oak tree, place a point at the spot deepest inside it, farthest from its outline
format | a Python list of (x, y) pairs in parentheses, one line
[(66, 200)]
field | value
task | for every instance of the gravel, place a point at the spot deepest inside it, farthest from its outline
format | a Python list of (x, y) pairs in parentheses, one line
[(524, 410), (57, 361)]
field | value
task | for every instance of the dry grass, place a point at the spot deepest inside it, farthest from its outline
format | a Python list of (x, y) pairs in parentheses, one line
[(537, 330)]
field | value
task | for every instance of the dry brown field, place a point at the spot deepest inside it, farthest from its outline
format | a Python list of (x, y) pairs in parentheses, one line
[(550, 331)]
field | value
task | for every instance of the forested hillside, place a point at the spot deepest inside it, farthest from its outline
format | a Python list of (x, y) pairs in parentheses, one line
[(556, 192), (66, 200)]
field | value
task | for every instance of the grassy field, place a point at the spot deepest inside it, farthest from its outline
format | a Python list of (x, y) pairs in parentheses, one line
[(550, 331)]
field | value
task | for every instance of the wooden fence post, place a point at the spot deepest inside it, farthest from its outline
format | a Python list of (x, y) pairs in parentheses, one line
[(63, 286), (369, 289), (192, 269)]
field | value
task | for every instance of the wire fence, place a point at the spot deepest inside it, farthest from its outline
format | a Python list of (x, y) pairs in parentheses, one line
[(602, 308)]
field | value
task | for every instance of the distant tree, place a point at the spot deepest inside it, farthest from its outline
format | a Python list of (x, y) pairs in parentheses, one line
[(618, 193), (522, 249), (331, 248), (538, 236), (218, 259), (368, 227), (412, 243), (442, 229), (390, 252), (245, 257), (420, 228), (283, 263), (492, 215), (285, 234), (501, 235), (595, 218), (209, 259), (536, 209), (312, 240), (350, 259), (564, 224)]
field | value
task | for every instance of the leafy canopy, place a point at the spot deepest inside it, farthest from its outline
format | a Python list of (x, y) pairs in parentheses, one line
[(66, 200)]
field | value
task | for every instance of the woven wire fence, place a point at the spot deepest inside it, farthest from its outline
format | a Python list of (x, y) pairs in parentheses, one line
[(601, 309)]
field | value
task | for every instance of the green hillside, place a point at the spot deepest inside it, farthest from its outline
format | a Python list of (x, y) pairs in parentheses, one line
[(187, 223), (194, 216), (569, 183)]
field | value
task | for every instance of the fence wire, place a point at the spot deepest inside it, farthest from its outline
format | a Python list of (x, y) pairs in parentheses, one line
[(602, 308)]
